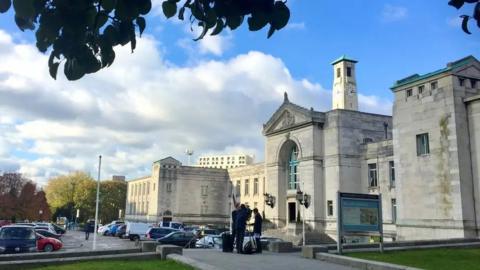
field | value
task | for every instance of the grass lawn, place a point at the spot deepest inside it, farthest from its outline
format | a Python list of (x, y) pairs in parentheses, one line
[(120, 265), (438, 259)]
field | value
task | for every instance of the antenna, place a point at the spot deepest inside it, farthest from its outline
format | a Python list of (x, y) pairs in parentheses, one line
[(189, 153)]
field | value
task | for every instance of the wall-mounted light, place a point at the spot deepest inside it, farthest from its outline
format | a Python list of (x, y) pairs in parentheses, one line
[(269, 200)]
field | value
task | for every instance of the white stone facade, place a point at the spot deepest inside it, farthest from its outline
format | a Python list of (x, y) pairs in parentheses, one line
[(224, 161)]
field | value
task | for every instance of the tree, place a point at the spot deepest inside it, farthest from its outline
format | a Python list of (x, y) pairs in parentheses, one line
[(113, 195), (458, 4), (83, 33)]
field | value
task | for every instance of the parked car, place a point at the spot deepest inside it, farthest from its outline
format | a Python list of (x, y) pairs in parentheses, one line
[(17, 238), (58, 229), (46, 228), (206, 231), (157, 233), (137, 230), (171, 224), (48, 234), (102, 229), (209, 241), (48, 244), (183, 239), (113, 230), (4, 223), (121, 231)]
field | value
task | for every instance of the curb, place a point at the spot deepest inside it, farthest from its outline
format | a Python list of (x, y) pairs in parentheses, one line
[(360, 263), (192, 262)]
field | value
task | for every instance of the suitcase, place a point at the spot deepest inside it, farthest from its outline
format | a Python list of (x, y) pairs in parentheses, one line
[(227, 242)]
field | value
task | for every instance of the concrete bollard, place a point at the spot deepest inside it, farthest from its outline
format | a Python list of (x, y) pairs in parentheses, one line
[(310, 250), (164, 250), (280, 247), (149, 246)]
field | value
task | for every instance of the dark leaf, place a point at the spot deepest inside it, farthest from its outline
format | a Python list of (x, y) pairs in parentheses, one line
[(271, 31), (218, 27), (53, 70), (180, 13), (456, 3), (234, 21), (133, 42), (101, 19), (108, 5), (144, 6), (141, 24), (24, 8), (24, 24), (204, 30), (169, 9), (280, 16), (257, 21), (5, 5), (211, 18), (73, 71), (465, 24), (476, 12)]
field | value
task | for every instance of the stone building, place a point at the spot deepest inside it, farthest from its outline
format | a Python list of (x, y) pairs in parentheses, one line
[(182, 193), (424, 161)]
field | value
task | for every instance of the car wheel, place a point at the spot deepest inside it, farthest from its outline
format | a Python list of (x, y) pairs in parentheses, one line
[(48, 248)]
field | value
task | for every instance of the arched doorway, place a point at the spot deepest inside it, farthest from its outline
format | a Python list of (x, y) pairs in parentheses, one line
[(288, 180)]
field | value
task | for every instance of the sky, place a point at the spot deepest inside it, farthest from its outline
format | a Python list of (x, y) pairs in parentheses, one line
[(211, 96)]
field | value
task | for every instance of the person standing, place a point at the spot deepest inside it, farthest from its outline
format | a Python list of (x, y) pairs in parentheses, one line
[(234, 224), (89, 228), (240, 227), (257, 229)]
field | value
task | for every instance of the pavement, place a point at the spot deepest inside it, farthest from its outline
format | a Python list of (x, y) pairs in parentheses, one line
[(265, 261), (75, 241)]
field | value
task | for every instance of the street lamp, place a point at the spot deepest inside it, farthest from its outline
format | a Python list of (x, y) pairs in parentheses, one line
[(40, 213), (304, 199), (269, 200)]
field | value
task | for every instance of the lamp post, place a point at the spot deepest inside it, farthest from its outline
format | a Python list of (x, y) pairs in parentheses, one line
[(96, 204), (40, 213), (304, 199)]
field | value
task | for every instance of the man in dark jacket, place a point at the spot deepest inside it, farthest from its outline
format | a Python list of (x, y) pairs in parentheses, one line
[(234, 223), (240, 227), (89, 228), (257, 229)]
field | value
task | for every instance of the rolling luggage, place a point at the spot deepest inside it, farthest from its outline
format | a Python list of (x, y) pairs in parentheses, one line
[(227, 242)]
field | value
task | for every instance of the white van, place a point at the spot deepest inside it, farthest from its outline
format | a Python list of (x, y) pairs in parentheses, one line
[(137, 230)]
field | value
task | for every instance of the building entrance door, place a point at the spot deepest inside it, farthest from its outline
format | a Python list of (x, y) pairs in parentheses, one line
[(292, 212)]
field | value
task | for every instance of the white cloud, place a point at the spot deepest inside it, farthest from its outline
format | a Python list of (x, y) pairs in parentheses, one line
[(139, 110), (296, 26), (391, 13)]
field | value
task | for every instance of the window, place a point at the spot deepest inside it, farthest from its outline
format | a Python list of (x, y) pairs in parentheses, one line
[(372, 175), (148, 188), (338, 72), (421, 88), (394, 210), (203, 209), (433, 85), (423, 147), (169, 187), (237, 188), (255, 205), (330, 208), (255, 186), (391, 169), (153, 186), (473, 83), (461, 81), (204, 190), (247, 187), (409, 92), (349, 72), (292, 169)]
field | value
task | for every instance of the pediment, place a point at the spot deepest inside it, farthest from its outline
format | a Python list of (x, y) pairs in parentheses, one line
[(471, 71), (290, 115), (169, 161)]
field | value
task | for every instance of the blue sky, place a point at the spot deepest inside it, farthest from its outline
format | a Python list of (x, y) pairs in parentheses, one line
[(211, 96)]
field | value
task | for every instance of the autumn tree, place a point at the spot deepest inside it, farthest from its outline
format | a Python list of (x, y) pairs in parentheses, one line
[(113, 196), (83, 33)]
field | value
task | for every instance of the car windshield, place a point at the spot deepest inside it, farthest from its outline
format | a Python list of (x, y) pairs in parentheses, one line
[(17, 233)]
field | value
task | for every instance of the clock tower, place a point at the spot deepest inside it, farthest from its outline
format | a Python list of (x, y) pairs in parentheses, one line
[(344, 84)]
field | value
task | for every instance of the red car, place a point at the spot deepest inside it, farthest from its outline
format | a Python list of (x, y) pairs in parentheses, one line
[(48, 244)]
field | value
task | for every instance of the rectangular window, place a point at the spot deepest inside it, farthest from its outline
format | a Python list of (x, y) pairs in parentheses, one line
[(237, 188), (330, 208), (409, 92), (169, 187), (433, 85), (394, 210), (338, 72), (153, 186), (148, 188), (423, 147), (421, 88), (255, 186), (247, 187), (391, 169), (349, 72), (372, 175), (204, 190), (473, 83), (461, 81)]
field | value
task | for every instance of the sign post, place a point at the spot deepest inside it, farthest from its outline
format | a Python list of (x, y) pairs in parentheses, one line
[(359, 214)]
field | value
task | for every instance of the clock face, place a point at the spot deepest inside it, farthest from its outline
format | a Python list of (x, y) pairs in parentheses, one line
[(351, 89)]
